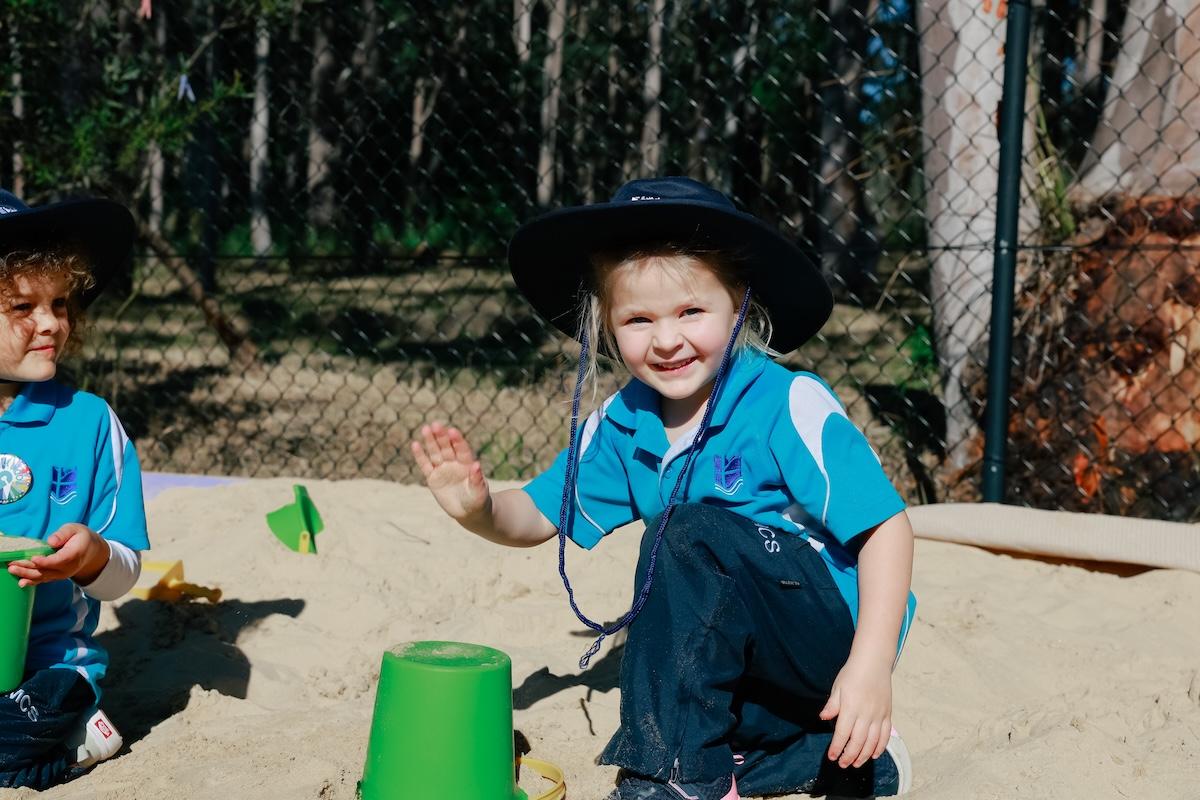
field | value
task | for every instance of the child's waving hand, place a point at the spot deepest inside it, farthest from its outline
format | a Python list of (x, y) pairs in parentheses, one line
[(452, 472), (455, 477)]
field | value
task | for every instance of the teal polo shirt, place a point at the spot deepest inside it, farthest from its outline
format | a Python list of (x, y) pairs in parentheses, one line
[(79, 467), (780, 451)]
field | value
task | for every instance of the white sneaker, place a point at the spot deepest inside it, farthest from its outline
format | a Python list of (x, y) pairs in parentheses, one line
[(900, 757), (96, 741)]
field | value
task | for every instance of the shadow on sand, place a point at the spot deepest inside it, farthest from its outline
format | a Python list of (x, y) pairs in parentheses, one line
[(161, 650)]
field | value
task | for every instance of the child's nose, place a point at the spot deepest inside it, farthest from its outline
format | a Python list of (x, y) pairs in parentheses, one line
[(666, 336), (47, 320)]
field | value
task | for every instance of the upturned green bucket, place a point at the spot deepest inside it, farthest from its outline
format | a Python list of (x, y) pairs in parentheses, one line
[(16, 609), (442, 728)]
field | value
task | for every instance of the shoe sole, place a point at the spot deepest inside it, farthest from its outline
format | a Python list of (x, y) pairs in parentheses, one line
[(898, 750)]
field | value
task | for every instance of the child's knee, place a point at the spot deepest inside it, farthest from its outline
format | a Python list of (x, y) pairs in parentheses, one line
[(36, 720)]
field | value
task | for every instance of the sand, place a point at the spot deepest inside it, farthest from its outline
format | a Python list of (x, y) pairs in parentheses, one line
[(1021, 679)]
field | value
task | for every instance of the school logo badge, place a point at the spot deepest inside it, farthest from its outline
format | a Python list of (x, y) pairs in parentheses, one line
[(727, 474), (15, 478), (63, 486)]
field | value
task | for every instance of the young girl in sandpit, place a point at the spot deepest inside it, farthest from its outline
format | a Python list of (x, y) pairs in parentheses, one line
[(69, 477), (772, 591)]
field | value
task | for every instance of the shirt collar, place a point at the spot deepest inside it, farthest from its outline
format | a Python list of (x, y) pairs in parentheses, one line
[(636, 406), (34, 404)]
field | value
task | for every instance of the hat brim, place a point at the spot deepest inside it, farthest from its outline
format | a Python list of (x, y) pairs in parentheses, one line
[(102, 229), (550, 259)]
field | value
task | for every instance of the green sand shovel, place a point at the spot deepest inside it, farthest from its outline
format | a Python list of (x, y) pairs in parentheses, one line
[(297, 524)]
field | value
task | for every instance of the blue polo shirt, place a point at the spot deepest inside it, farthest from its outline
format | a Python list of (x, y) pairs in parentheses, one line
[(789, 458), (81, 468)]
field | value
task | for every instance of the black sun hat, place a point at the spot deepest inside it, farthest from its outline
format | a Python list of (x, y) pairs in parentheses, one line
[(101, 229), (550, 256)]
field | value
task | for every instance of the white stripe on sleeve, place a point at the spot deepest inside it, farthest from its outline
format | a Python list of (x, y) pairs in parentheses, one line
[(118, 576)]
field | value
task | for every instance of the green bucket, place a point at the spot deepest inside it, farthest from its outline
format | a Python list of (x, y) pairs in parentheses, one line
[(16, 609), (442, 728)]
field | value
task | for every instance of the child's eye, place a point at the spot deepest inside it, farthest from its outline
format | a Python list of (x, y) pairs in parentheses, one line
[(692, 311), (637, 321), (23, 308), (60, 302)]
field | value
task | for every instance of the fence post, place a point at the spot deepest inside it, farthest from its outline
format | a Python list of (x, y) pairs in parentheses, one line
[(1008, 203)]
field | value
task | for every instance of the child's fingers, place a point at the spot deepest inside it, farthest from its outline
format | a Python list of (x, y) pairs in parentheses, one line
[(446, 444), (26, 574), (462, 451), (873, 744), (477, 482), (421, 459), (854, 745), (884, 733), (433, 448), (870, 739), (832, 706)]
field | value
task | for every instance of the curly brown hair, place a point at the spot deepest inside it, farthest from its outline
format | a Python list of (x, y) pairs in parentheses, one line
[(52, 263)]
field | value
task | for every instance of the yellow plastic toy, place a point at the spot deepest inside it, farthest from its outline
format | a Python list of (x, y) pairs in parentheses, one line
[(551, 773), (163, 580)]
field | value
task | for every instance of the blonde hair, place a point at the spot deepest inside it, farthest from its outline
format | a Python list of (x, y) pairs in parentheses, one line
[(594, 322), (65, 263)]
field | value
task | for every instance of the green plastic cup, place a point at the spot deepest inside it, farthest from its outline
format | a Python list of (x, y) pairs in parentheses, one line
[(442, 728), (16, 609)]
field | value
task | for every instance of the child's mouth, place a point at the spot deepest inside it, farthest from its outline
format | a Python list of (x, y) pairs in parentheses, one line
[(672, 366)]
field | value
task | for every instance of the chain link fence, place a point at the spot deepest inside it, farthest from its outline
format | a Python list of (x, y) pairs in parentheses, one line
[(324, 193)]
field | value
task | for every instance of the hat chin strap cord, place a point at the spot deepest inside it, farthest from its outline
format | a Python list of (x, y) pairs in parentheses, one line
[(565, 516)]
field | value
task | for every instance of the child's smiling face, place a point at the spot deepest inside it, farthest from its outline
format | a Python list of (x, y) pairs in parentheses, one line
[(672, 325), (33, 329)]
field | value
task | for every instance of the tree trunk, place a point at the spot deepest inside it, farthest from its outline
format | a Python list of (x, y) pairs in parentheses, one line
[(155, 166), (552, 69), (584, 171), (523, 29), (260, 126), (962, 50), (652, 129), (847, 240), (1146, 143), (319, 183), (735, 106)]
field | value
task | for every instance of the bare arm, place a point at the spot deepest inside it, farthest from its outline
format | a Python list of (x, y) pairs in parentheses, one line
[(884, 578), (455, 477), (510, 518), (861, 699)]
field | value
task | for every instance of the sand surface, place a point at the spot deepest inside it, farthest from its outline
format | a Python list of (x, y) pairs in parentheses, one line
[(1021, 679)]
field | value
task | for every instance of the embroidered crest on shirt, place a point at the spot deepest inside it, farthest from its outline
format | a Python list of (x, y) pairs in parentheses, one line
[(63, 486), (15, 478), (727, 474)]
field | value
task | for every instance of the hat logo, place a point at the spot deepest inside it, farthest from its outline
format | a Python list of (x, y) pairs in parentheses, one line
[(7, 210), (637, 197)]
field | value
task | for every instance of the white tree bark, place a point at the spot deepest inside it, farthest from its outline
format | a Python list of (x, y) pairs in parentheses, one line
[(1146, 142), (260, 128), (523, 29), (552, 69), (156, 167), (962, 55), (652, 130)]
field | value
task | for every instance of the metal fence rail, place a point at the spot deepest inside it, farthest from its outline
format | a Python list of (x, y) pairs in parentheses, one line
[(324, 192)]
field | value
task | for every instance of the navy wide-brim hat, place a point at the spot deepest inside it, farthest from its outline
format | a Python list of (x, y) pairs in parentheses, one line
[(550, 256), (101, 229)]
